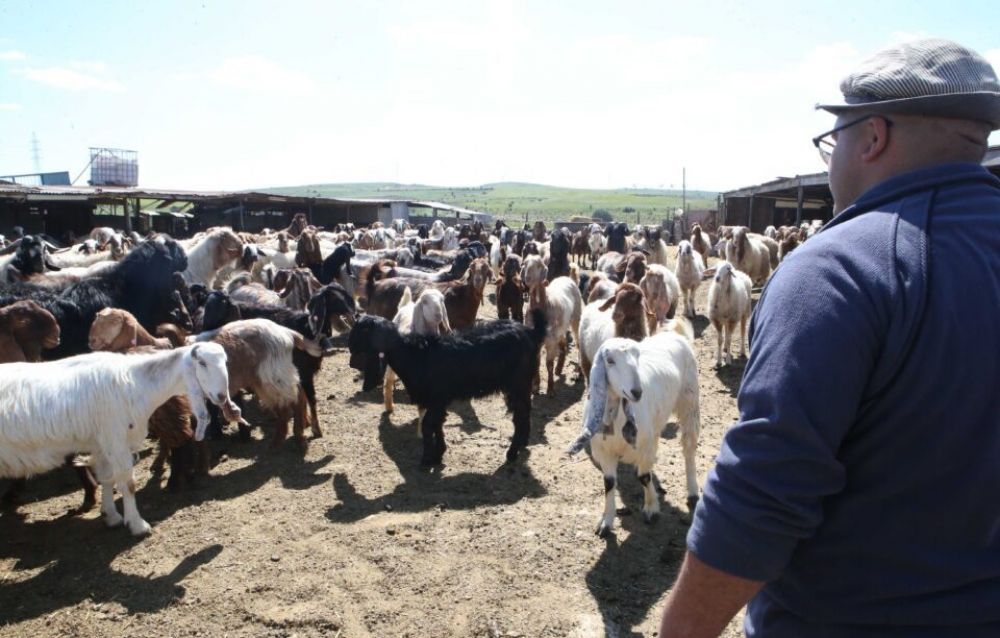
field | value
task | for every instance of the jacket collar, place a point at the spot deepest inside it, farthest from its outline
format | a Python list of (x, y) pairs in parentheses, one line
[(921, 179)]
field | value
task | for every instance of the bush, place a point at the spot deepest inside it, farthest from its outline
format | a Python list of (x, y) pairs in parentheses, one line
[(602, 215)]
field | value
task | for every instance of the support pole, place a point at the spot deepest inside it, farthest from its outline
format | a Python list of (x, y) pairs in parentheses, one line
[(798, 205), (128, 217), (241, 215)]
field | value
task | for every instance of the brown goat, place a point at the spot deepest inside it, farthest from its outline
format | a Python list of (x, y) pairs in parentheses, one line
[(307, 252), (116, 330), (631, 314), (299, 223), (700, 242), (299, 288), (461, 298), (631, 269), (25, 330)]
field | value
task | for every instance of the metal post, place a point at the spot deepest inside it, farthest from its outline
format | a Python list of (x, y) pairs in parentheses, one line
[(128, 218), (241, 215), (750, 214), (798, 206)]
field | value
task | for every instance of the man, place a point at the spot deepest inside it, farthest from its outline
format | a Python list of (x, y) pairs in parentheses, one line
[(858, 494)]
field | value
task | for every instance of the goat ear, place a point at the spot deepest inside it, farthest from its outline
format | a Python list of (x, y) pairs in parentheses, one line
[(607, 304), (194, 354)]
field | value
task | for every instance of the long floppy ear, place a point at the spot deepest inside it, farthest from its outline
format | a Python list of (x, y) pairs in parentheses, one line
[(610, 302), (445, 325), (596, 408), (194, 354)]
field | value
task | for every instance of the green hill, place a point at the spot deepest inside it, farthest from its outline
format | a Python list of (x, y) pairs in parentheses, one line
[(513, 200)]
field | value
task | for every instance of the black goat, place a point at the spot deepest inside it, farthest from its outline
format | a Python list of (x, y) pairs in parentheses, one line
[(616, 234), (30, 257), (436, 370), (141, 283), (324, 308), (559, 245), (338, 259)]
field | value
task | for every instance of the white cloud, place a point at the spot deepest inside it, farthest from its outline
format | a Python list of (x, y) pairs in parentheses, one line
[(10, 106), (12, 56), (72, 79), (256, 73)]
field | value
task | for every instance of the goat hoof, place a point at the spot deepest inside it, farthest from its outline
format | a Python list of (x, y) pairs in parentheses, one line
[(692, 502), (140, 529), (113, 520), (650, 517), (603, 530)]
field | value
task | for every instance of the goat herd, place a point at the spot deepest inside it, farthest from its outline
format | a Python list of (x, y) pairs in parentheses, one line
[(122, 337)]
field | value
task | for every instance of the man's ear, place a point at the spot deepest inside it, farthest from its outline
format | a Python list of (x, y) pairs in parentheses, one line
[(876, 130)]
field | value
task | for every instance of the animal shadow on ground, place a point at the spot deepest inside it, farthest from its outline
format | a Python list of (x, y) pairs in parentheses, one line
[(632, 576), (700, 323), (74, 556), (732, 375), (569, 391), (424, 489)]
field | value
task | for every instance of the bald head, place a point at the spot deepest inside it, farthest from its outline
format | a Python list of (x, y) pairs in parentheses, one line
[(884, 146)]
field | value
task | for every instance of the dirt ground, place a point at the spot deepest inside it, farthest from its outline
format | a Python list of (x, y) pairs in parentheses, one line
[(353, 539)]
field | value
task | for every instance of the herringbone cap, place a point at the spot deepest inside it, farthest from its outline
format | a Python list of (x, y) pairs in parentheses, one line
[(931, 77)]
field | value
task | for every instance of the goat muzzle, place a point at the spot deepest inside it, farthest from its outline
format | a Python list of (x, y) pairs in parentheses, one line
[(231, 411)]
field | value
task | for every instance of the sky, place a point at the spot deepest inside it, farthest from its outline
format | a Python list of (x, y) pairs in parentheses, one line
[(253, 94)]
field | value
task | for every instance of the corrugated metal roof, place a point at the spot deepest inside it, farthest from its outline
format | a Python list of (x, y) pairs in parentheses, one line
[(41, 193)]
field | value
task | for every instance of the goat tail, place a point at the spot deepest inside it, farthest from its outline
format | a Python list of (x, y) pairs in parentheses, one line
[(539, 325)]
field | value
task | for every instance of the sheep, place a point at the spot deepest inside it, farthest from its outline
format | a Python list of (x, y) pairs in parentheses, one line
[(689, 270), (634, 389), (208, 257), (435, 371), (772, 247), (425, 316), (729, 302), (25, 330), (662, 291), (44, 417), (115, 330), (701, 242), (259, 359), (629, 317), (749, 255), (560, 301)]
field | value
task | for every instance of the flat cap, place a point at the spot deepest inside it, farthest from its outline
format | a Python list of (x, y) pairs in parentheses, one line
[(932, 77)]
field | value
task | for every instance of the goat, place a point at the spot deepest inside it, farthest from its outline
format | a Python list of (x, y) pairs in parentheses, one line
[(631, 269), (242, 288), (208, 257), (559, 247), (560, 302), (789, 243), (749, 255), (259, 355), (317, 323), (42, 419), (25, 330), (662, 291), (600, 288), (617, 237), (299, 288), (435, 371), (115, 330), (29, 257), (689, 270), (701, 242), (653, 244), (629, 317), (729, 302), (425, 316), (634, 389), (596, 245), (141, 283), (510, 290), (580, 248)]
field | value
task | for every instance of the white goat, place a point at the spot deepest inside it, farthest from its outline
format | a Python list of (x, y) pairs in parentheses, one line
[(562, 303), (750, 255), (689, 270), (100, 403), (596, 244), (425, 316), (634, 390), (533, 271), (206, 259), (729, 302)]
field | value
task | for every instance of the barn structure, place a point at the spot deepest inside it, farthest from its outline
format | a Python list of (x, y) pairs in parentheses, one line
[(792, 200), (64, 212)]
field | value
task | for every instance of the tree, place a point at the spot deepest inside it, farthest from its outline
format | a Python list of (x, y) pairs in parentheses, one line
[(602, 215)]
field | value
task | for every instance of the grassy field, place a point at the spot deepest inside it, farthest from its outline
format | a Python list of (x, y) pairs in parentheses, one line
[(512, 200)]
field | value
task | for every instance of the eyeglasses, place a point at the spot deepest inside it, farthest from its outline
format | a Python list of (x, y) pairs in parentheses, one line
[(826, 142)]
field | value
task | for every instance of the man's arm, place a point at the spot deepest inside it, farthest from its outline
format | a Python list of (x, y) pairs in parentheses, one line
[(703, 600)]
